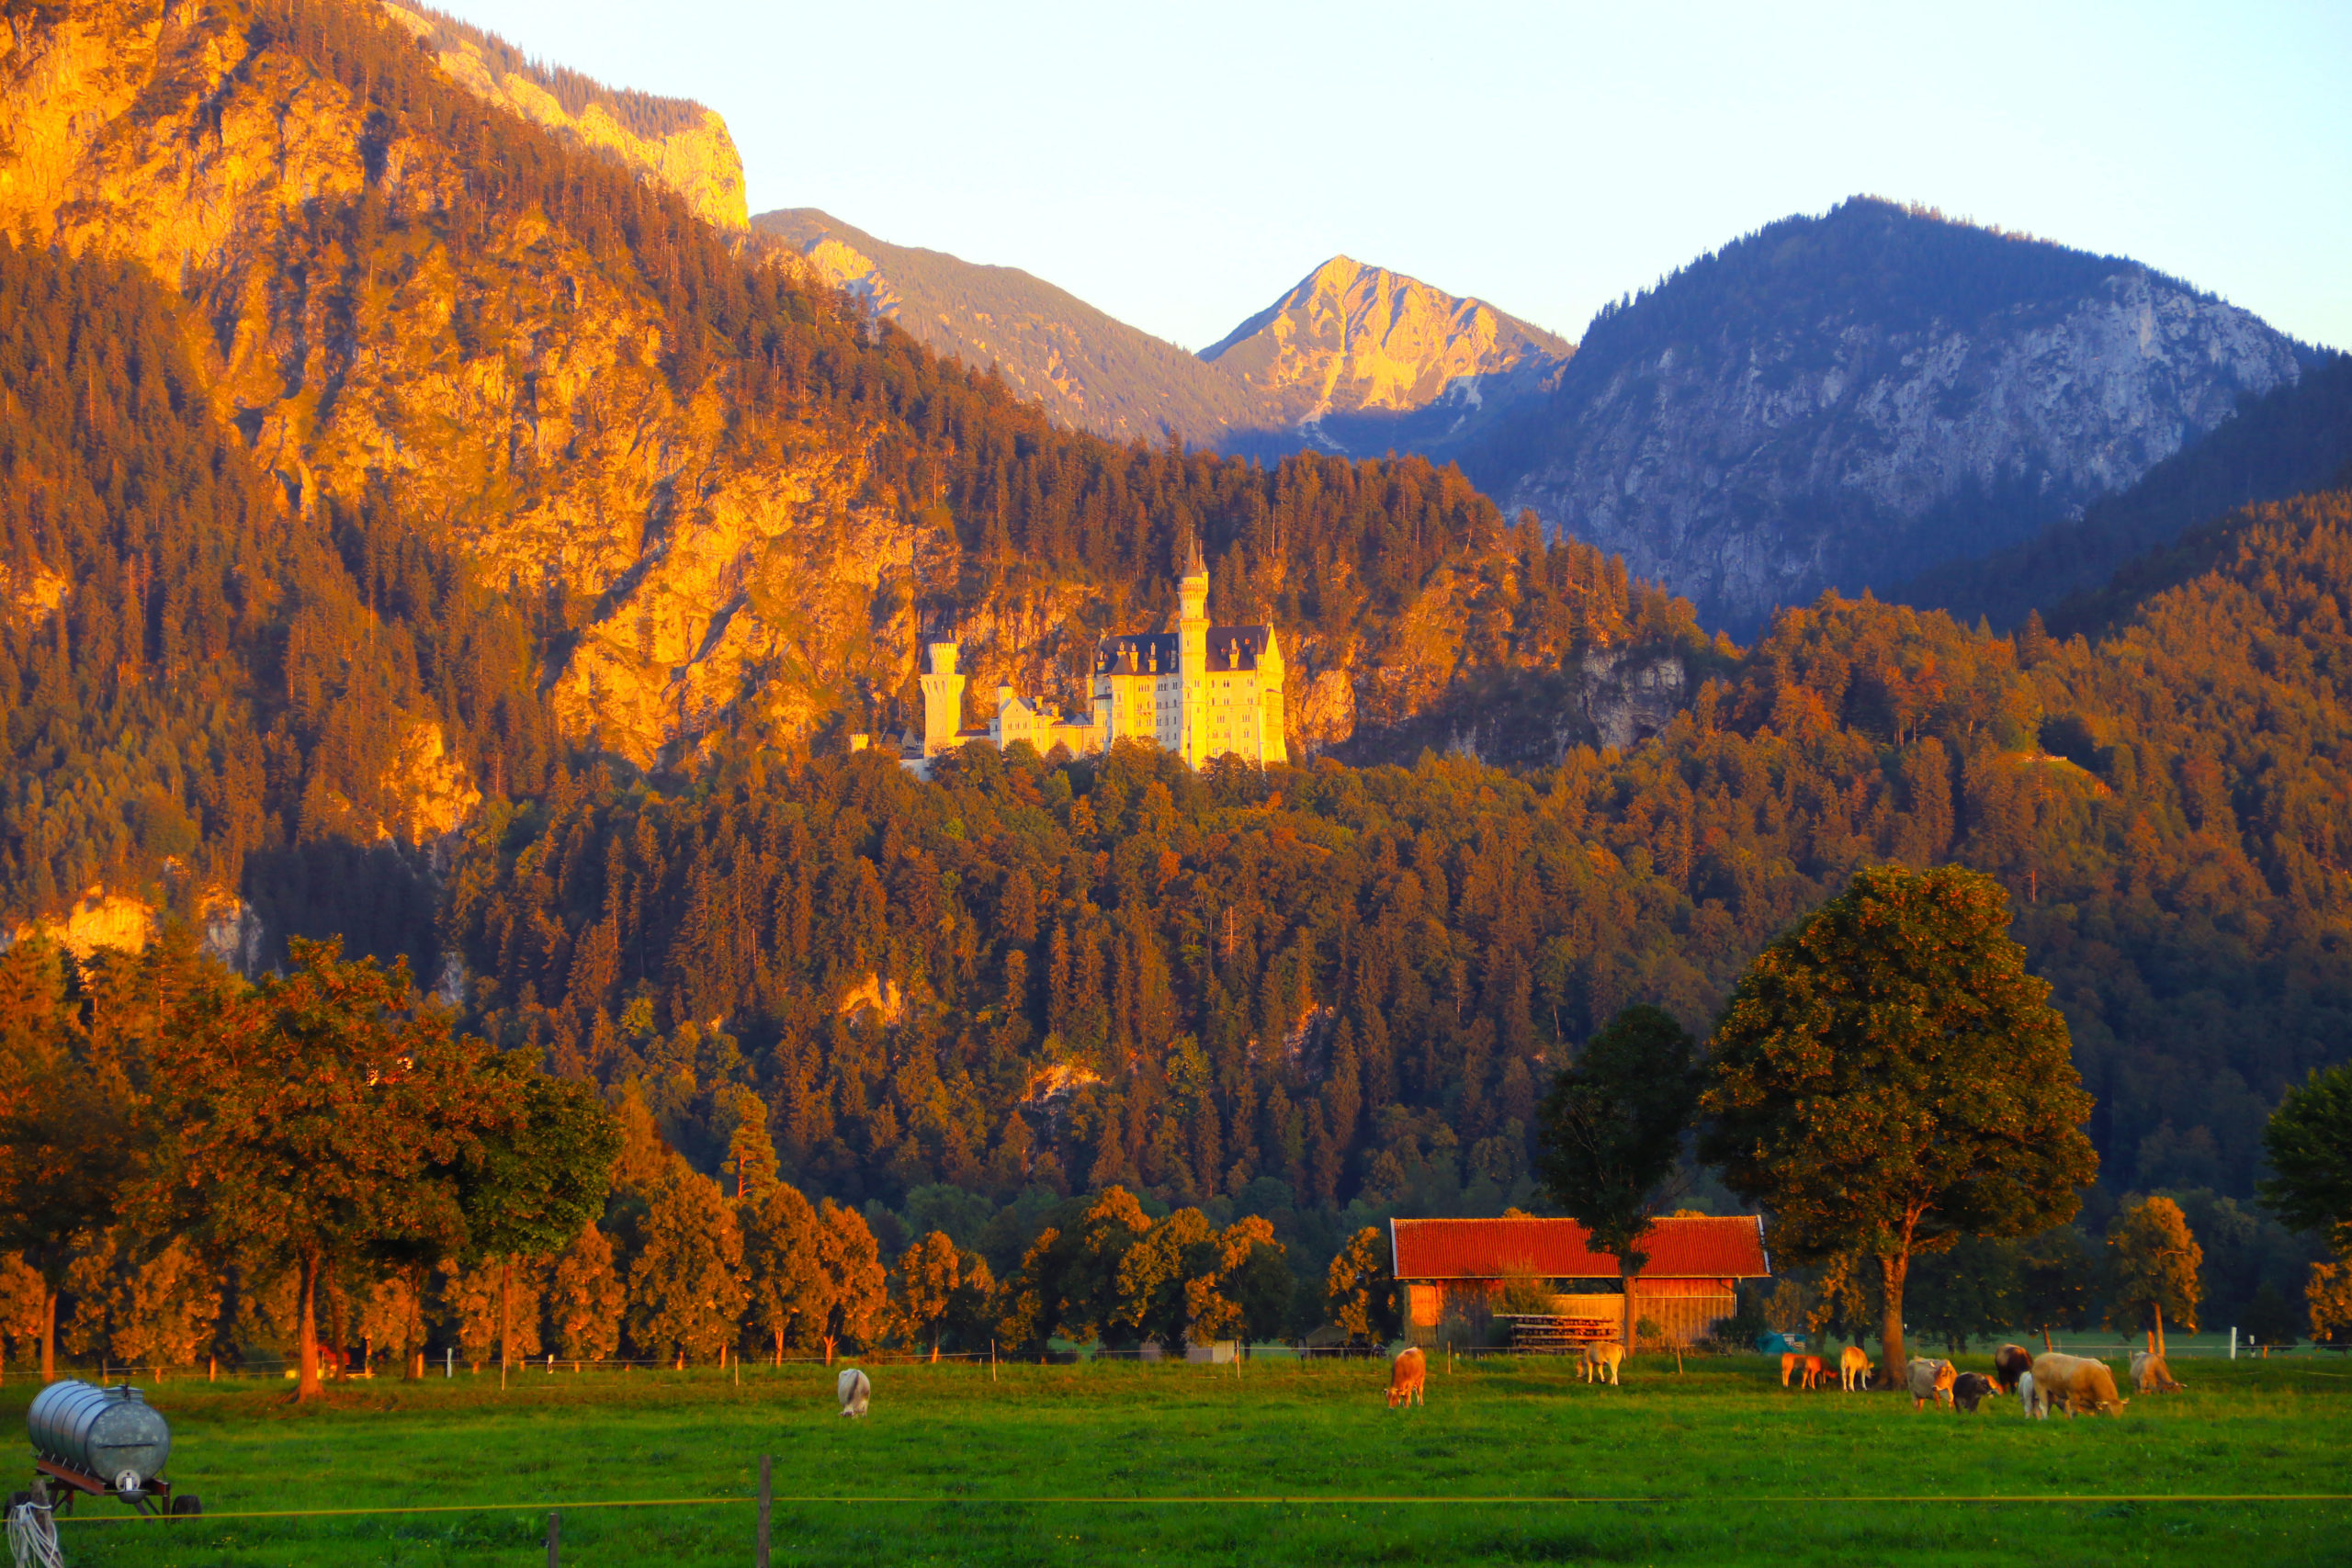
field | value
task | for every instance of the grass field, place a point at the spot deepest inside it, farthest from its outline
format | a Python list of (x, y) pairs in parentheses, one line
[(1180, 1465)]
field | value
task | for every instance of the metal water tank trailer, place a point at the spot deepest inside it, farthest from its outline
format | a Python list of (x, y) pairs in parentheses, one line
[(99, 1441)]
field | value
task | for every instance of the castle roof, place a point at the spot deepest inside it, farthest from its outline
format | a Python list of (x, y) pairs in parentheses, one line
[(1230, 648)]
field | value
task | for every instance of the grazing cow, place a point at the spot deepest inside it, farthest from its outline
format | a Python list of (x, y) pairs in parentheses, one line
[(854, 1392), (2076, 1383), (2011, 1363), (2150, 1375), (1409, 1377), (1790, 1362), (1853, 1369), (2029, 1398), (1971, 1389), (1601, 1360), (1930, 1382)]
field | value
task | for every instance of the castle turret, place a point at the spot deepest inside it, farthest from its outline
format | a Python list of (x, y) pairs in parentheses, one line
[(1192, 651), (942, 701)]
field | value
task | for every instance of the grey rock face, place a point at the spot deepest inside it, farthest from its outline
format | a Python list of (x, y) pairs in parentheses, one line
[(1756, 463)]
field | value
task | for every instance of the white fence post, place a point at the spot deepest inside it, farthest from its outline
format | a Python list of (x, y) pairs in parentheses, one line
[(2233, 1342)]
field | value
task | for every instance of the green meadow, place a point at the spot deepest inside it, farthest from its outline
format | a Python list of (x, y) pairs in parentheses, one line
[(1509, 1462)]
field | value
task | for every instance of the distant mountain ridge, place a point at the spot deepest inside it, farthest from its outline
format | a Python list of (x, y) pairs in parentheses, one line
[(1354, 360), (1088, 370), (1850, 400)]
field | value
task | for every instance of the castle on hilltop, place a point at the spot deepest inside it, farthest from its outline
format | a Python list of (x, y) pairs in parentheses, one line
[(1200, 691)]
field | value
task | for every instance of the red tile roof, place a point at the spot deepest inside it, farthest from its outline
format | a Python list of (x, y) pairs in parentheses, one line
[(1683, 1248)]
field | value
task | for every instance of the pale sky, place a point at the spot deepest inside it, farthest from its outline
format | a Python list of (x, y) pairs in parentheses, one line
[(1180, 166)]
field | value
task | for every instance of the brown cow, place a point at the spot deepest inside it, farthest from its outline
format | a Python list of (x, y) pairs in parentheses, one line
[(1409, 1376), (1790, 1362), (2011, 1363), (1853, 1369), (2150, 1375), (2076, 1383), (1601, 1362), (1930, 1382)]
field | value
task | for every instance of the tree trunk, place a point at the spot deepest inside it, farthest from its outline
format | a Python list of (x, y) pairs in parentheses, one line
[(830, 1343), (1893, 1267), (2160, 1327), (934, 1350), (779, 1347), (47, 1332), (1625, 1284), (505, 1316), (306, 1385)]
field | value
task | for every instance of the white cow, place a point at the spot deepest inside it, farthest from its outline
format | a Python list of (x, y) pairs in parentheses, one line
[(854, 1392), (2029, 1398)]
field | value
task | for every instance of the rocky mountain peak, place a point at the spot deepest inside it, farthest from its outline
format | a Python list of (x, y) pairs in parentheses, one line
[(1352, 338)]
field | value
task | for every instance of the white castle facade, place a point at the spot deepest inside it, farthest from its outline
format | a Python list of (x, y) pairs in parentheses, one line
[(1201, 691)]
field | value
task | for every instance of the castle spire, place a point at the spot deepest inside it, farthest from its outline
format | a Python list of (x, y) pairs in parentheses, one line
[(1193, 565)]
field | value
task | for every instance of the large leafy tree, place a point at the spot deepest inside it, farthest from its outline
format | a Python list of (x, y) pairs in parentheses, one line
[(315, 1119), (929, 1273), (685, 1289), (2309, 1141), (536, 1172), (1612, 1132), (1361, 1291), (2154, 1263), (789, 1290), (65, 1118), (1888, 1079)]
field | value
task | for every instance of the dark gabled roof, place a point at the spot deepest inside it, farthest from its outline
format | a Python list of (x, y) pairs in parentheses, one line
[(1685, 1248), (1230, 648), (1235, 648), (1147, 646)]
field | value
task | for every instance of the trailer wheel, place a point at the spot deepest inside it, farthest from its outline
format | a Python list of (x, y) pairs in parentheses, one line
[(186, 1505)]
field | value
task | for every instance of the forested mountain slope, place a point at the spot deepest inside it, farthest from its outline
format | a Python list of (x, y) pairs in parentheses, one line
[(1850, 399), (699, 494), (1357, 981)]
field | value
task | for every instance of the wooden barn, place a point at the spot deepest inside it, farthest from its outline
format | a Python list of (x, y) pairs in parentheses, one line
[(1457, 1269)]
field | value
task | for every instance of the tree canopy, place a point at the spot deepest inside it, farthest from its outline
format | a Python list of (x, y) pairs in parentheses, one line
[(1888, 1077)]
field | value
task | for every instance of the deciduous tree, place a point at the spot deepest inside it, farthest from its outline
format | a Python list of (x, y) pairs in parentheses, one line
[(685, 1291), (2309, 1141), (790, 1292), (585, 1299), (929, 1272), (1611, 1133), (311, 1117), (1362, 1292), (537, 1171), (2154, 1267), (1887, 1078)]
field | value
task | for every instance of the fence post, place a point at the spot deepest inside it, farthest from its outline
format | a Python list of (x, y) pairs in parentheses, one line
[(555, 1540), (2233, 1342), (760, 1555)]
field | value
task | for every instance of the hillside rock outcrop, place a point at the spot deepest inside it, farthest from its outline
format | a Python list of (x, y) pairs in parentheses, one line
[(675, 141)]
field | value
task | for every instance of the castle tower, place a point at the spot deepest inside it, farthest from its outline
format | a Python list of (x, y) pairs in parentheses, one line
[(1193, 652), (942, 701)]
